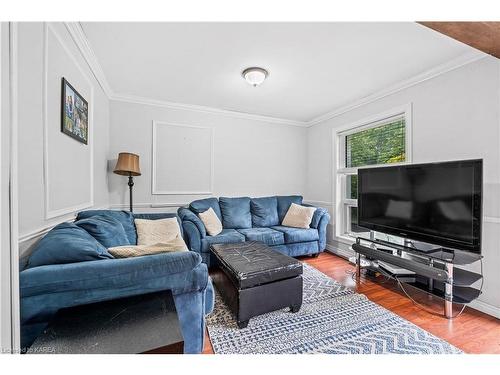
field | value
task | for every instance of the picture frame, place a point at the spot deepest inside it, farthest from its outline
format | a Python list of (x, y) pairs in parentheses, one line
[(74, 113)]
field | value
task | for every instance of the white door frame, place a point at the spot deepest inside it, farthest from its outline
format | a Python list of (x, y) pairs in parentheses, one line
[(9, 250)]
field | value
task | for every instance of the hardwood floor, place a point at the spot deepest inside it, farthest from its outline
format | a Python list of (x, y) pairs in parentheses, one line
[(472, 331)]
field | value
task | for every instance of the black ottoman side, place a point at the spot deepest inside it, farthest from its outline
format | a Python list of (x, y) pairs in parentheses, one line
[(254, 280)]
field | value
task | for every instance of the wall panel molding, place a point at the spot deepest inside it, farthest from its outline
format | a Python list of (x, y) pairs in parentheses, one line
[(155, 190), (49, 214), (318, 203), (145, 206), (44, 229)]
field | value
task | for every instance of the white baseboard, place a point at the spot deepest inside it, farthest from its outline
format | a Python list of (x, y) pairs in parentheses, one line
[(341, 251), (485, 308)]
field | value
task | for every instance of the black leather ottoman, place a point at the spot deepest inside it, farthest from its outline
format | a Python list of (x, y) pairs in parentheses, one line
[(254, 279)]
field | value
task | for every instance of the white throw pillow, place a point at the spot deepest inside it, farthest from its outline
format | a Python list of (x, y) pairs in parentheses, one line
[(298, 216), (152, 232), (127, 251), (211, 222)]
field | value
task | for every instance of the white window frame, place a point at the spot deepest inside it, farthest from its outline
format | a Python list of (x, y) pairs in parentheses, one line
[(340, 172)]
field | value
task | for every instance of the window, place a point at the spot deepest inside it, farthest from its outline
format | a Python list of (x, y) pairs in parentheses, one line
[(376, 142)]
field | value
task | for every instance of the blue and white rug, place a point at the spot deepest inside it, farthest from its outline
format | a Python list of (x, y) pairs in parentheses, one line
[(332, 319)]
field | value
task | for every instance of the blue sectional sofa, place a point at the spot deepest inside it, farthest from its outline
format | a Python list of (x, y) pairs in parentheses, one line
[(253, 219), (49, 283)]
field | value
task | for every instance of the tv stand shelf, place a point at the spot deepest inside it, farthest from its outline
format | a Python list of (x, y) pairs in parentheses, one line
[(435, 271), (463, 277), (457, 257)]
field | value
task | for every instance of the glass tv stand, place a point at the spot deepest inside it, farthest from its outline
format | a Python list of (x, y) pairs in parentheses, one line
[(437, 271)]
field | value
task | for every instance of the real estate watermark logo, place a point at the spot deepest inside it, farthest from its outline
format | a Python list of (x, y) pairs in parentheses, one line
[(37, 350)]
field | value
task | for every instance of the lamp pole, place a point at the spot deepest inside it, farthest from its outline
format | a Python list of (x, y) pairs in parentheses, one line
[(130, 186)]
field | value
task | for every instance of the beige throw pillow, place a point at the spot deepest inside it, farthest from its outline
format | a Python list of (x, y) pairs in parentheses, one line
[(211, 222), (176, 244), (152, 232), (298, 216)]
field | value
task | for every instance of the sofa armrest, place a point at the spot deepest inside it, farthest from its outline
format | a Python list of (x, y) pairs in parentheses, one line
[(192, 236), (322, 226), (47, 289), (320, 221), (180, 272), (318, 214), (187, 215)]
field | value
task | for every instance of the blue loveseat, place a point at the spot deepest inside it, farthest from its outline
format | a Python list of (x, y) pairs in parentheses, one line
[(253, 219), (46, 288)]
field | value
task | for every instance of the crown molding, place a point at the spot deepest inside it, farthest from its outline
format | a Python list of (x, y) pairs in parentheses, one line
[(463, 60), (78, 35), (204, 109)]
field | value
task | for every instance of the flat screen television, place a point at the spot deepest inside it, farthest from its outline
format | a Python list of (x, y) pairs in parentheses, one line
[(436, 203)]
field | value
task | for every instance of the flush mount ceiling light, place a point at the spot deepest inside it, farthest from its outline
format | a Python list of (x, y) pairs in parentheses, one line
[(255, 76)]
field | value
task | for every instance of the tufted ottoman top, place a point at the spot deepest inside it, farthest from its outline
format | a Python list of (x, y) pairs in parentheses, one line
[(253, 263)]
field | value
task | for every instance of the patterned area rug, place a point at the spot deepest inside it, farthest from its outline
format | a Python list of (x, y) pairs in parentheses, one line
[(332, 319)]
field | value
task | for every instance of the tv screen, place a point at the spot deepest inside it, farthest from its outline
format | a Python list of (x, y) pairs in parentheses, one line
[(437, 203)]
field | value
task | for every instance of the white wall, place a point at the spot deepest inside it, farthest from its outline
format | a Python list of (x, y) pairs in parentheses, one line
[(58, 176), (455, 116), (250, 157)]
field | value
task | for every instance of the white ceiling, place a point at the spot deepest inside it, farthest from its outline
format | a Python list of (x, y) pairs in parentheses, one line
[(314, 67)]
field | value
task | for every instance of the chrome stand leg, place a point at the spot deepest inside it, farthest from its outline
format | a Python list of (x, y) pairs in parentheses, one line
[(448, 297), (358, 268), (431, 281)]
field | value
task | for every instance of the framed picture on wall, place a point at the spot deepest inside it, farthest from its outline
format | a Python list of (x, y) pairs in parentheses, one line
[(74, 113)]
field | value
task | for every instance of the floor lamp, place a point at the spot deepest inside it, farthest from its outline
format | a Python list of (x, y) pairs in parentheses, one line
[(128, 165)]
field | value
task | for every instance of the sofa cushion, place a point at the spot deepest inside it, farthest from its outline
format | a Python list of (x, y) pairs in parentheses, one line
[(212, 223), (298, 216), (67, 243), (158, 216), (264, 211), (105, 229), (226, 236), (284, 203), (266, 235), (124, 217), (151, 232), (295, 235), (128, 251), (235, 212), (201, 205)]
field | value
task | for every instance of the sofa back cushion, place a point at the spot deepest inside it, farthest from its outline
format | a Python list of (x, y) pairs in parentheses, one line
[(201, 205), (235, 212), (66, 243), (106, 230), (284, 203), (124, 217), (264, 211)]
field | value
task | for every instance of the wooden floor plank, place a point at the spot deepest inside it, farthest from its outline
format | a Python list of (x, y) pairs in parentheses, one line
[(472, 332)]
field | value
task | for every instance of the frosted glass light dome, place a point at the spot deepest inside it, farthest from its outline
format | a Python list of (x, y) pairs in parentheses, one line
[(255, 76)]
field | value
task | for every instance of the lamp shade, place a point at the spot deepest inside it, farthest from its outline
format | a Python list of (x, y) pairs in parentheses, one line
[(127, 164)]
